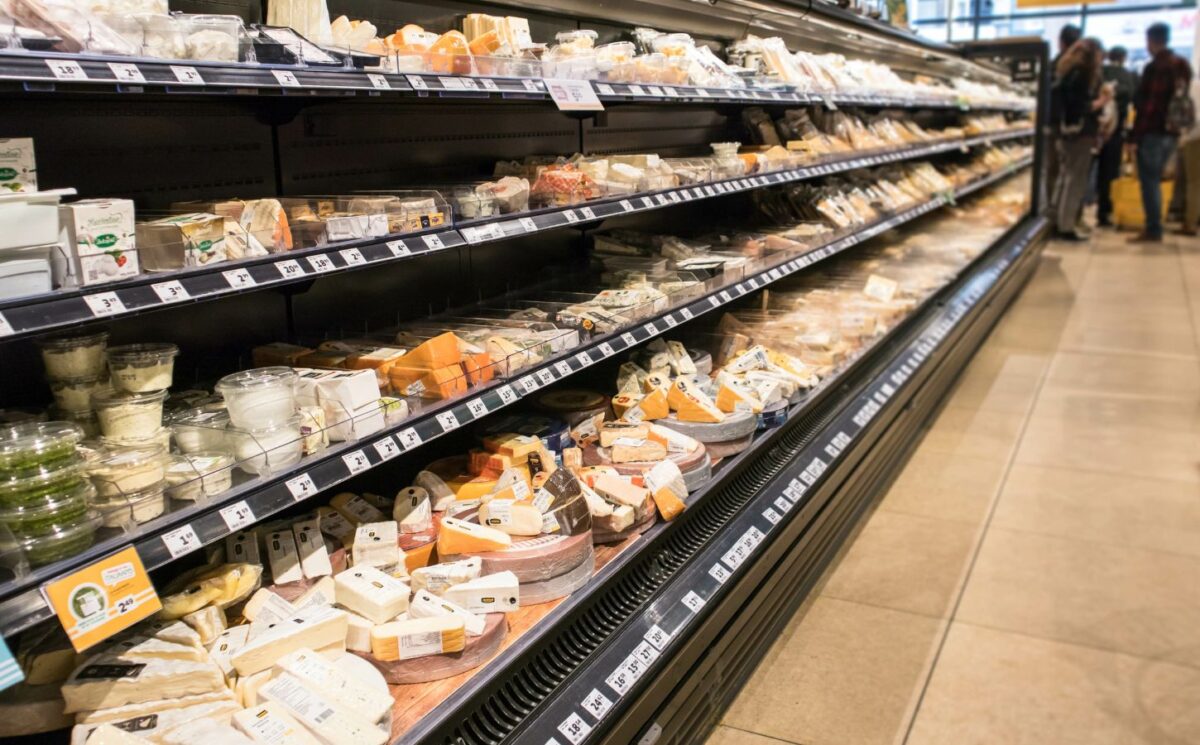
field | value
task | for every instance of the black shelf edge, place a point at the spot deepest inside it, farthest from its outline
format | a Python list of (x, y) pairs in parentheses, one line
[(179, 533), (63, 309)]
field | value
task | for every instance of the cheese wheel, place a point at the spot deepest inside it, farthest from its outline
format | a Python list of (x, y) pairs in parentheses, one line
[(535, 593), (535, 559), (735, 426), (730, 447), (773, 415), (478, 650), (572, 405), (554, 433)]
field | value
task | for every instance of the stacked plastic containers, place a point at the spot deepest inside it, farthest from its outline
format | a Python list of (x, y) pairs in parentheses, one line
[(264, 422)]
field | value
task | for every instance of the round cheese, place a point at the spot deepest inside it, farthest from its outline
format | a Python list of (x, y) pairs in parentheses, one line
[(534, 593), (773, 415), (535, 559), (698, 476), (730, 447), (478, 650), (572, 405), (735, 426)]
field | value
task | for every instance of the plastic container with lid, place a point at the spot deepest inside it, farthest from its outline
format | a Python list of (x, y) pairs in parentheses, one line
[(142, 368), (265, 450), (40, 483), (163, 36), (132, 508), (51, 512), (258, 398), (67, 357), (116, 472), (199, 475), (75, 394), (161, 438), (199, 430), (215, 38), (62, 542), (34, 445), (129, 416)]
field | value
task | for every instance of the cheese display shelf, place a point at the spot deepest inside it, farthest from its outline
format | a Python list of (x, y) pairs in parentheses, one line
[(61, 309)]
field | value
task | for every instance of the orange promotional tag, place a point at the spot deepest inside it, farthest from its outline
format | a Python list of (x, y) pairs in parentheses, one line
[(103, 599)]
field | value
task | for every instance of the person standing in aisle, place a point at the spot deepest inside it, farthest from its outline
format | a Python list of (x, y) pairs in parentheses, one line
[(1124, 84), (1067, 38), (1187, 175), (1156, 128), (1080, 96)]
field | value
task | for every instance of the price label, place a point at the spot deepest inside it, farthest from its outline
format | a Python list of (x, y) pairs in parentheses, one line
[(628, 339), (527, 384), (587, 213), (607, 350), (657, 636), (352, 257), (571, 216), (693, 601), (448, 421), (433, 241), (719, 573), (772, 516), (637, 90), (399, 248), (573, 95), (686, 313), (66, 69), (387, 448), (187, 75), (661, 199), (654, 90), (170, 292), (702, 92), (126, 73), (477, 407), (574, 729), (545, 376), (648, 203), (301, 486), (321, 263), (507, 394), (379, 81), (104, 304), (286, 78), (671, 92), (605, 89), (562, 368), (783, 505), (596, 704), (409, 439), (619, 681), (725, 296), (651, 328), (110, 595), (417, 82), (356, 462), (237, 516), (489, 84), (634, 668), (646, 653), (181, 541), (673, 196), (238, 278), (531, 86), (528, 225), (6, 328), (289, 269), (584, 359)]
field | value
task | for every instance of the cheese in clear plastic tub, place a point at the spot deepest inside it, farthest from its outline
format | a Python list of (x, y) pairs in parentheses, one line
[(128, 416), (615, 62), (264, 450), (34, 447), (509, 67), (260, 397), (198, 476), (128, 470), (75, 394), (63, 540), (212, 38), (67, 357), (199, 430), (142, 368), (130, 509)]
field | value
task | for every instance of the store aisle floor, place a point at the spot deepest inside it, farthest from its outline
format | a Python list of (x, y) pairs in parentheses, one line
[(1033, 575)]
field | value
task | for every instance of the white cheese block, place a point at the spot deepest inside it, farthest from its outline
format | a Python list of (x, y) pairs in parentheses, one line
[(371, 593), (147, 647), (377, 544), (321, 593), (330, 723), (110, 735), (512, 517), (146, 708), (318, 674), (314, 558), (103, 681), (204, 732), (242, 547), (267, 606), (436, 578), (208, 622), (356, 509), (283, 557), (495, 593), (312, 628), (247, 687), (427, 605), (152, 726), (335, 525), (358, 633), (412, 510), (270, 723), (170, 631), (226, 645)]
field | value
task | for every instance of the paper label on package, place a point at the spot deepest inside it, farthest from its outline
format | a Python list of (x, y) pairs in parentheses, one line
[(420, 645), (573, 95), (881, 288), (103, 598)]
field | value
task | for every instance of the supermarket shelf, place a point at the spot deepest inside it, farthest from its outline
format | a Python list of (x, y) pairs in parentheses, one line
[(63, 309), (184, 531), (52, 72)]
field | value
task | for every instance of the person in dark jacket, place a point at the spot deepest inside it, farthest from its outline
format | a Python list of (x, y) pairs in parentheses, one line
[(1124, 84), (1067, 37), (1080, 97)]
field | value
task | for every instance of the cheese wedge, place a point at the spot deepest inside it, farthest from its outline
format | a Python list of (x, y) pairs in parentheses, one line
[(572, 459), (666, 485), (436, 578), (246, 687), (418, 637), (637, 451), (460, 537), (322, 592), (267, 606), (733, 394), (515, 446), (148, 647), (681, 361), (649, 407), (493, 593), (610, 432), (310, 628), (208, 622), (372, 594), (412, 510), (691, 405), (152, 727), (204, 731), (104, 681), (621, 491), (270, 723), (427, 605), (226, 645), (107, 734), (310, 545), (318, 674), (335, 525), (358, 633), (243, 547), (511, 517), (621, 517), (356, 509), (331, 723), (657, 381)]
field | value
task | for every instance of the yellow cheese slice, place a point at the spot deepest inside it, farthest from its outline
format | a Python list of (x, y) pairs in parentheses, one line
[(460, 537)]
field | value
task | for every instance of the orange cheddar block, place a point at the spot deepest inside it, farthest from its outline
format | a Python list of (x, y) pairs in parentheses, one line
[(442, 382), (485, 44), (656, 381), (322, 358), (667, 488), (440, 351), (690, 405), (418, 557), (450, 54), (460, 537), (731, 395), (479, 367), (514, 446), (623, 402), (654, 405)]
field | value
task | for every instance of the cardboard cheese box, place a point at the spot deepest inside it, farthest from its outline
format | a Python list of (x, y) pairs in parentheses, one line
[(101, 239), (194, 239), (18, 168)]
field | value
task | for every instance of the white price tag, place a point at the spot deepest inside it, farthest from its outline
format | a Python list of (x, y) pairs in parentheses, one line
[(657, 636), (651, 328), (686, 313), (187, 75), (607, 350), (531, 86), (627, 205), (409, 439), (286, 78), (637, 90), (783, 505), (574, 729), (379, 81), (702, 92), (126, 73), (321, 263), (66, 69), (772, 516), (387, 448), (654, 90), (628, 339), (6, 328), (356, 462), (587, 213), (528, 225), (662, 200), (619, 681), (527, 384), (562, 368), (352, 257), (237, 516), (672, 322), (605, 89), (719, 573), (571, 216), (477, 407), (448, 421), (239, 278), (596, 704), (104, 304), (489, 84), (417, 82), (301, 486), (170, 292), (507, 394), (670, 91), (433, 241), (289, 269), (693, 601), (399, 248), (573, 95), (181, 541), (646, 653), (545, 376), (725, 296)]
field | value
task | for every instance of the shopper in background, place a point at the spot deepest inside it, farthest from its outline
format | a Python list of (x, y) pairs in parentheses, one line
[(1161, 103), (1187, 174), (1124, 84), (1081, 96), (1067, 37)]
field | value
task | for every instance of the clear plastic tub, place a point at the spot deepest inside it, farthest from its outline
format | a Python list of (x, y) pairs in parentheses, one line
[(215, 38), (265, 450), (51, 513), (75, 394), (160, 439), (163, 36), (64, 541), (25, 448), (74, 356), (132, 508), (258, 398), (199, 475), (142, 368), (127, 470), (42, 483), (129, 416), (200, 430)]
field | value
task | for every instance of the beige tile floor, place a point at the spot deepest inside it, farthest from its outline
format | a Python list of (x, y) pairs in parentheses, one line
[(1033, 574)]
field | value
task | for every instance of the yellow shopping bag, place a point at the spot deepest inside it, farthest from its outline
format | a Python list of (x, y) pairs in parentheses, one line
[(1127, 202)]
